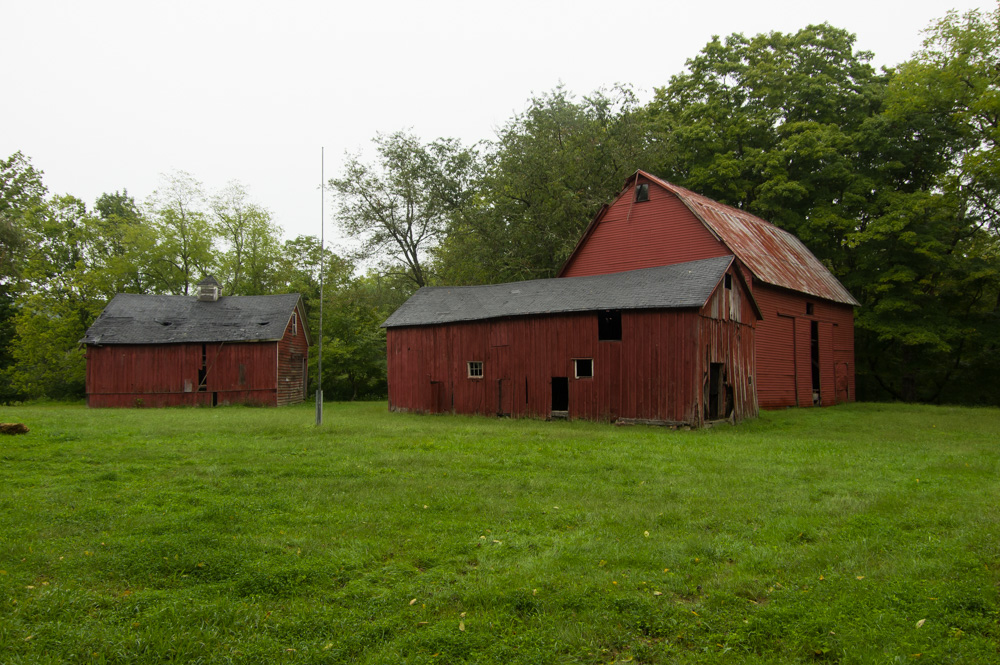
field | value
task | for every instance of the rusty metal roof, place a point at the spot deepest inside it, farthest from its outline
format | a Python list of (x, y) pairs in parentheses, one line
[(774, 255)]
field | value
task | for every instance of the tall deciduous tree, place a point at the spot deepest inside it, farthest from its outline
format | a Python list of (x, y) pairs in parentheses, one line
[(927, 263), (249, 263), (398, 207), (544, 178), (184, 245)]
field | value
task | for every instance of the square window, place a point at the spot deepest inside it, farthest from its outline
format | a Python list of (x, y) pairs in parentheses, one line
[(609, 326), (642, 192), (475, 369), (583, 368)]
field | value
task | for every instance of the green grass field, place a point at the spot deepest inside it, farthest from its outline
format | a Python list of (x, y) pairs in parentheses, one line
[(857, 534)]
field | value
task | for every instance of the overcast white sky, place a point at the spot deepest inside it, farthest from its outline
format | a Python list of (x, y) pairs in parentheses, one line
[(105, 95)]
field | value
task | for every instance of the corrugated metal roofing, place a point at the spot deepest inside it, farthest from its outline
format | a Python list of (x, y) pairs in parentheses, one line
[(774, 255), (665, 287), (140, 319)]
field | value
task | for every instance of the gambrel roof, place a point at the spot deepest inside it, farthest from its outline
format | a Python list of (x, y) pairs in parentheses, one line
[(140, 319), (665, 287), (773, 255)]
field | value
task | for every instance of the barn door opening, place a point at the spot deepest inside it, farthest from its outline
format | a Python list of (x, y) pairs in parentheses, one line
[(505, 395), (716, 392), (814, 356), (560, 394)]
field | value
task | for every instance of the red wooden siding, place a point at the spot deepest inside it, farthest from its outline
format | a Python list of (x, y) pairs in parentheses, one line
[(664, 231), (784, 361), (261, 373), (658, 371), (168, 374), (658, 232), (293, 351)]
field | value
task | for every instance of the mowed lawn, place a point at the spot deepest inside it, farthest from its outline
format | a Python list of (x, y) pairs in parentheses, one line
[(856, 534)]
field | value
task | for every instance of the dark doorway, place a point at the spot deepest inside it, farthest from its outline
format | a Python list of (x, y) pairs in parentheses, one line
[(814, 355), (715, 392), (560, 393)]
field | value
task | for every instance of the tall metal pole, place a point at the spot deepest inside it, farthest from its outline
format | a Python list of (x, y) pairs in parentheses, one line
[(322, 224)]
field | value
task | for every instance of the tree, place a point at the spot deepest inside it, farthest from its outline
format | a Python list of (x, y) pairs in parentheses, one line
[(184, 243), (546, 175), (253, 243), (398, 207), (928, 261), (22, 198), (770, 124)]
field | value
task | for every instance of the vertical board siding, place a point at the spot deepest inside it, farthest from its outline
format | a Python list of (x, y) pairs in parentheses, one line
[(168, 374), (783, 349), (293, 351), (655, 372), (664, 231), (660, 231)]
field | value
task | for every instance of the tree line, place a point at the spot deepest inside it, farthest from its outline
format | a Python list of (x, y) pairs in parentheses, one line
[(891, 178)]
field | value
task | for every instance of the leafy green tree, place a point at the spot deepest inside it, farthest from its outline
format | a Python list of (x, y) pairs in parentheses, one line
[(22, 204), (119, 243), (249, 264), (56, 304), (183, 251), (543, 179), (927, 259), (398, 207), (22, 198), (771, 124)]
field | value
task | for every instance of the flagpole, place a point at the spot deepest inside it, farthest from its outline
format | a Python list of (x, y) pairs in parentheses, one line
[(322, 220)]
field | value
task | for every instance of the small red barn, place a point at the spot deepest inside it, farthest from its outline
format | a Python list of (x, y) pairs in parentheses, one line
[(670, 344), (805, 341), (198, 350)]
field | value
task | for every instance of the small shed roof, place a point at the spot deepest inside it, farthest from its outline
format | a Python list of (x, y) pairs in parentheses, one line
[(140, 319), (664, 287)]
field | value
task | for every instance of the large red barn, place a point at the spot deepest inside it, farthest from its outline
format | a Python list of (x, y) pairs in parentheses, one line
[(805, 341), (671, 344), (200, 350)]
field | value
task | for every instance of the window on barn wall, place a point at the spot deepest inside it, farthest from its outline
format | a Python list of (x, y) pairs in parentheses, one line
[(609, 325), (295, 323), (642, 193), (729, 281), (475, 369), (583, 368)]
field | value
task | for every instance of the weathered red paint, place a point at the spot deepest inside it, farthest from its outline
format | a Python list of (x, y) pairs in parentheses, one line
[(676, 225), (658, 371), (154, 375)]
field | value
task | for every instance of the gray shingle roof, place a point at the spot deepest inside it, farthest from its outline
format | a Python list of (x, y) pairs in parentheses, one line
[(140, 319), (665, 287)]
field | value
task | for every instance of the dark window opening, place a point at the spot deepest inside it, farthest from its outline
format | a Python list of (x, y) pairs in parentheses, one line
[(215, 399), (609, 326), (814, 353), (642, 193), (560, 393), (809, 308), (729, 281), (475, 369), (583, 368)]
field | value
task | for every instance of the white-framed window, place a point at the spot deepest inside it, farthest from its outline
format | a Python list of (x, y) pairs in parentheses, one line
[(583, 368), (475, 369), (295, 324)]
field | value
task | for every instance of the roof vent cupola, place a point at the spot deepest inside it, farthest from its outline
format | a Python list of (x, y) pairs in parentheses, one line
[(208, 289)]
